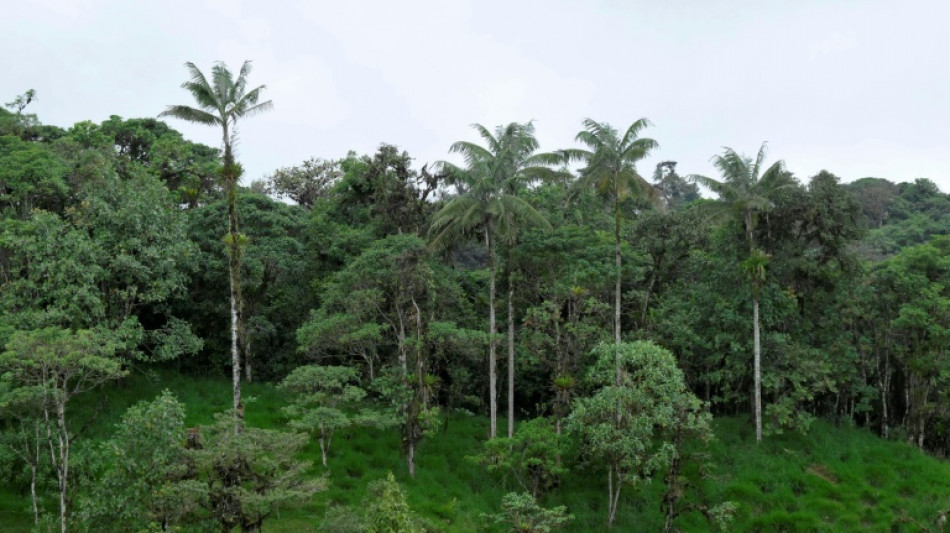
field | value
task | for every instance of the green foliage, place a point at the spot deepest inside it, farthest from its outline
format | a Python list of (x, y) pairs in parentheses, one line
[(327, 399), (522, 514), (623, 426), (32, 176), (144, 482), (304, 184), (536, 456), (386, 508), (249, 474)]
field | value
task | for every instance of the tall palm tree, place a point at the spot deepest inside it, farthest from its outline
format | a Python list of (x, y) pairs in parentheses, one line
[(488, 203), (611, 169), (747, 191), (222, 100)]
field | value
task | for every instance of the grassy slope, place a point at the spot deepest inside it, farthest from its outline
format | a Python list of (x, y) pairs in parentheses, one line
[(833, 479)]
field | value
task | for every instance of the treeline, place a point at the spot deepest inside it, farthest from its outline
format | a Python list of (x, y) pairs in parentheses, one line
[(534, 284)]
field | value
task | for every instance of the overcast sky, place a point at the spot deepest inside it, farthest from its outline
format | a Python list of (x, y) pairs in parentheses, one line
[(860, 88)]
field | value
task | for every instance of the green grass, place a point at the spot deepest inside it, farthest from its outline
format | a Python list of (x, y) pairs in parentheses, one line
[(832, 479)]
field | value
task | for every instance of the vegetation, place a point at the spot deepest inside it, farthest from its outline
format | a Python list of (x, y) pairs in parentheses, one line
[(368, 311)]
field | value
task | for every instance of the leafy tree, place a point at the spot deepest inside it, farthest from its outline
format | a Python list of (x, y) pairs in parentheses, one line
[(19, 124), (24, 435), (249, 475), (144, 484), (747, 189), (522, 514), (55, 365), (32, 176), (221, 102), (386, 508), (610, 168), (623, 425), (488, 203), (674, 190), (327, 399), (50, 275), (145, 257), (306, 183), (534, 456)]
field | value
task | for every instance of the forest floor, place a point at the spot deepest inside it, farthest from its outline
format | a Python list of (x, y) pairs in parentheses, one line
[(830, 479)]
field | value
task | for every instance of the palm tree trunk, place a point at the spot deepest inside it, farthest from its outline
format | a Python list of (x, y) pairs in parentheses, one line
[(492, 359), (234, 274), (617, 289), (511, 358), (757, 371)]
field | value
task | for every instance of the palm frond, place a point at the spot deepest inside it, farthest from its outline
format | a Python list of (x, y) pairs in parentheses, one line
[(760, 159), (223, 82), (471, 152), (571, 155), (256, 109), (241, 84), (489, 138), (190, 114), (634, 131)]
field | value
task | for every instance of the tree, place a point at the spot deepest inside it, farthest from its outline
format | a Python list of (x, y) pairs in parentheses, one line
[(675, 191), (327, 399), (488, 203), (387, 510), (624, 425), (144, 483), (611, 169), (747, 190), (55, 365), (534, 456), (221, 102), (306, 183), (249, 475), (522, 514)]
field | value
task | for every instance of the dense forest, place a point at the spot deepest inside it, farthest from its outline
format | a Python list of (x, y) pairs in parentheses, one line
[(586, 313)]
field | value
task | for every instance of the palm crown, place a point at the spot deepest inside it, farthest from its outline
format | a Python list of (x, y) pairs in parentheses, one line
[(611, 160), (490, 183), (222, 100), (745, 187)]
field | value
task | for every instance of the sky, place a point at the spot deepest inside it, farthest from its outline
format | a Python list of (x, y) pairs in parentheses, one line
[(858, 88)]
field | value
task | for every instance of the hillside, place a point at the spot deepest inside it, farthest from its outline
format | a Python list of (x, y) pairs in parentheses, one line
[(830, 479)]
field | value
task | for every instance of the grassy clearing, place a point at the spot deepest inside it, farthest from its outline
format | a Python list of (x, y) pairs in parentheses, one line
[(832, 479)]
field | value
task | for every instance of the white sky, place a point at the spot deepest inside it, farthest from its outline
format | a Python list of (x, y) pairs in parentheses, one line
[(860, 88)]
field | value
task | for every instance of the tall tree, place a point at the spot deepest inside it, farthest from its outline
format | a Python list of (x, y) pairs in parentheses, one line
[(222, 100), (488, 203), (748, 191), (611, 168), (53, 365)]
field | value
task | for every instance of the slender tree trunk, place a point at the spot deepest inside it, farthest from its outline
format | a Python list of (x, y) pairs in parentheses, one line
[(234, 274), (63, 461), (613, 491), (412, 458), (247, 359), (617, 288), (757, 370), (33, 466), (492, 359), (511, 358), (323, 450), (646, 299)]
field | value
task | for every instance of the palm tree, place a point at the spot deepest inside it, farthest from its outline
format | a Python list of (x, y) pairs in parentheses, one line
[(747, 191), (222, 100), (611, 169), (488, 203)]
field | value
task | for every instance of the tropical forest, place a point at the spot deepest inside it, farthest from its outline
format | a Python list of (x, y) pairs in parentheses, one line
[(515, 338)]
